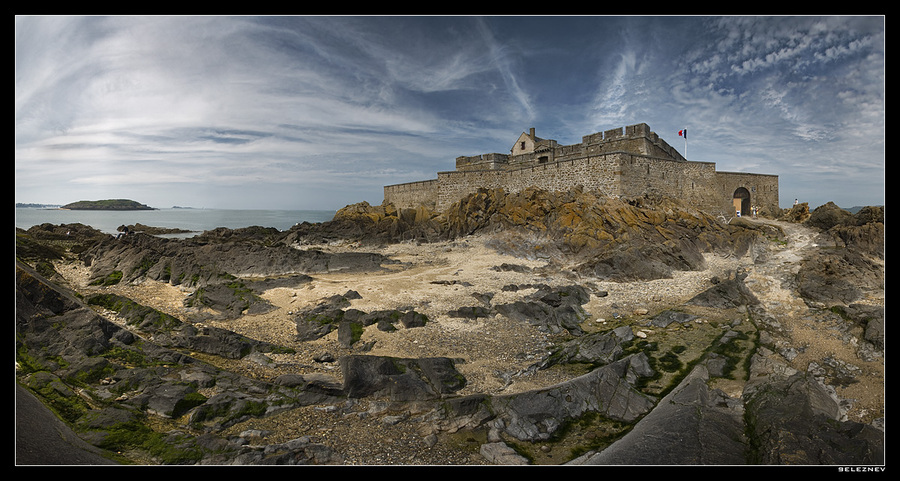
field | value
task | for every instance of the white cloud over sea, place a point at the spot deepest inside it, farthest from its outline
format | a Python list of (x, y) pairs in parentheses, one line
[(297, 112)]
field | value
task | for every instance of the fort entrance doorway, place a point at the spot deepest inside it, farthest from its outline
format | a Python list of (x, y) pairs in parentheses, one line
[(741, 201)]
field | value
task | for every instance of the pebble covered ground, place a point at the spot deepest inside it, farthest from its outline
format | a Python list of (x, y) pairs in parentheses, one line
[(436, 278)]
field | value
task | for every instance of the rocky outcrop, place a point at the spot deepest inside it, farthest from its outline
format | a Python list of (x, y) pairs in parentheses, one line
[(221, 266), (333, 314), (400, 380), (609, 391), (795, 420), (107, 379), (839, 276), (618, 239), (863, 231), (538, 414), (726, 293), (555, 310), (598, 349), (798, 213), (66, 343), (781, 420), (45, 242), (198, 262), (170, 332), (692, 425)]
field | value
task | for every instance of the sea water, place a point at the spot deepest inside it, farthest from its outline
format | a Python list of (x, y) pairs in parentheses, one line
[(193, 220)]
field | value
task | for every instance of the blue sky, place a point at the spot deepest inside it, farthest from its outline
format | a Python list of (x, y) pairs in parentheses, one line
[(315, 112)]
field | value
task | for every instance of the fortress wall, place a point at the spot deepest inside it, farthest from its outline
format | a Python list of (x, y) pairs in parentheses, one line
[(697, 183), (521, 160), (636, 138), (642, 175), (593, 173), (454, 185), (568, 152), (763, 190), (482, 162), (629, 161), (698, 186), (412, 194)]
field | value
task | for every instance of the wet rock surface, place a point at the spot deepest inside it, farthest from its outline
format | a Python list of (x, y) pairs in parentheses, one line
[(512, 329)]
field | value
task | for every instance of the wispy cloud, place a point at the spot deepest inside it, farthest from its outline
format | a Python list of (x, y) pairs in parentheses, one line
[(323, 111)]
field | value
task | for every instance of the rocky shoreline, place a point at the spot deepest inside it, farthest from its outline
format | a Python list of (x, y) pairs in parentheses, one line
[(511, 357)]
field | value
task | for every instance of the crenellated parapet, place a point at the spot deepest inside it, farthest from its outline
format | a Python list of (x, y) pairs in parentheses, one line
[(530, 149), (482, 162)]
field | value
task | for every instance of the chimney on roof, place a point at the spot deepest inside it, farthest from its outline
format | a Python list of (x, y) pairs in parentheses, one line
[(531, 133)]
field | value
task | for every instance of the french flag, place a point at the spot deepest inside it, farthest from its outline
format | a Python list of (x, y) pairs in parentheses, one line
[(683, 133)]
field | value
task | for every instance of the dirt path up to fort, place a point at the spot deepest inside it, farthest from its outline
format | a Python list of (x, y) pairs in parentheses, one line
[(815, 339)]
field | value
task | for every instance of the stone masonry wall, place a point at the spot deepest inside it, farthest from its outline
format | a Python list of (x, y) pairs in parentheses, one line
[(616, 174), (628, 161), (596, 173), (412, 194), (763, 190)]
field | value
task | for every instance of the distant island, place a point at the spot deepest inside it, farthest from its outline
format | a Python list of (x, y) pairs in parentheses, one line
[(108, 204)]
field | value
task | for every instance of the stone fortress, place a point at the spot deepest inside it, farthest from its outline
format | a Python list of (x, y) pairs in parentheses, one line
[(623, 162)]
